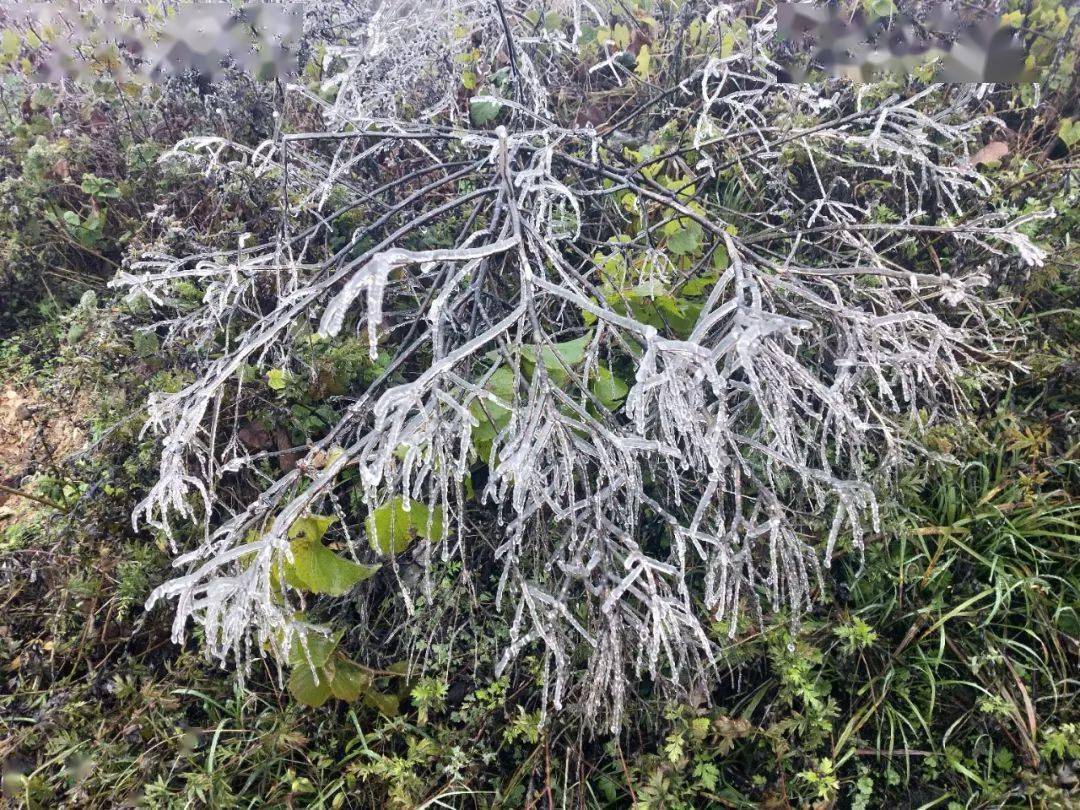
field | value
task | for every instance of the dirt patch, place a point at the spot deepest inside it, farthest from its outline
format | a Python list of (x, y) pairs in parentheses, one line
[(36, 433)]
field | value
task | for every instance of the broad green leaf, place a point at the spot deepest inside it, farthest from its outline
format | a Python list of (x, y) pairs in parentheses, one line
[(350, 680), (304, 688), (483, 111), (145, 344), (880, 8), (311, 528), (277, 379), (9, 46), (660, 310), (391, 528), (685, 240), (1069, 131), (699, 285), (609, 389), (678, 313), (568, 353), (559, 357), (316, 568), (387, 704), (621, 35), (490, 416), (644, 59), (647, 289), (1014, 19), (319, 648), (727, 45), (501, 383)]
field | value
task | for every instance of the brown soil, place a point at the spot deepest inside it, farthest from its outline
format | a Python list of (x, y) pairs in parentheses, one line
[(35, 434)]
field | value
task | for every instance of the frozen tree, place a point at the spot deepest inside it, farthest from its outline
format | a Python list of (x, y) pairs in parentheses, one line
[(644, 386)]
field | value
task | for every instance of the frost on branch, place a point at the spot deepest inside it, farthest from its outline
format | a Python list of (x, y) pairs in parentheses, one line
[(626, 389)]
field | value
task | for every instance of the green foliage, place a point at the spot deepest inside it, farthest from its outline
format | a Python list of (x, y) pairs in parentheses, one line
[(429, 695), (277, 379), (321, 671), (822, 779), (857, 635), (314, 567), (491, 417), (483, 111), (80, 183), (394, 526), (1069, 132), (879, 8)]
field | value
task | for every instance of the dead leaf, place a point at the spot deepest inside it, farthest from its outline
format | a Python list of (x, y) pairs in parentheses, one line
[(288, 456), (993, 151), (254, 437), (61, 170)]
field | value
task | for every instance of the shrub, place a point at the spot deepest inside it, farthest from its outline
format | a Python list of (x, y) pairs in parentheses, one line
[(656, 351)]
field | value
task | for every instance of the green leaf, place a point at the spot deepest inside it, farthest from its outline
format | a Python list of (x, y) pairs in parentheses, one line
[(337, 675), (99, 186), (609, 389), (319, 648), (490, 416), (685, 240), (484, 111), (644, 59), (387, 704), (10, 42), (277, 379), (1014, 19), (621, 35), (350, 680), (316, 568), (311, 528), (879, 8), (303, 686), (699, 285), (558, 357), (568, 353), (391, 528), (145, 344), (720, 259), (1069, 131), (649, 304)]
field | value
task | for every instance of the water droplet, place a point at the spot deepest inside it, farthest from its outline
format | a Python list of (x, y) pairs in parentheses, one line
[(790, 647)]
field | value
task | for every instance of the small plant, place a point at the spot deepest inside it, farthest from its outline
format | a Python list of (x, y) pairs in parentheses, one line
[(822, 780), (857, 635), (429, 695)]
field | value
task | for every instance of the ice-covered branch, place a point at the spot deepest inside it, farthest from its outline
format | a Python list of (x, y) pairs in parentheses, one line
[(673, 375)]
